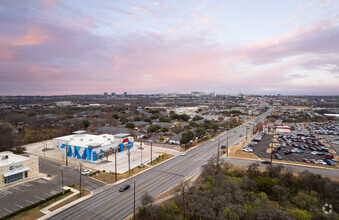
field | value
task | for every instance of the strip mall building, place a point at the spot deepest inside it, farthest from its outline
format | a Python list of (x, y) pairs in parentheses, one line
[(16, 168), (91, 147)]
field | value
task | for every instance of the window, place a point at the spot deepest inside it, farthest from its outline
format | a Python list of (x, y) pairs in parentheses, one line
[(26, 174), (13, 178)]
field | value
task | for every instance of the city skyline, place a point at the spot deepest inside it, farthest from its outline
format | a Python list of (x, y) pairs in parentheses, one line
[(144, 47)]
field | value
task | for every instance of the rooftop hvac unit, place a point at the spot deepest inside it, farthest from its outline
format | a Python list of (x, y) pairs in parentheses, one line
[(112, 142), (109, 139), (4, 157), (104, 136), (90, 139), (81, 139)]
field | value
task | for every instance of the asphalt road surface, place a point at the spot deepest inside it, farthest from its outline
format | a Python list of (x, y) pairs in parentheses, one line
[(108, 203)]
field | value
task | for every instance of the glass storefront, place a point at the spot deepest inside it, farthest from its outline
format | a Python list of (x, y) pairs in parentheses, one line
[(13, 178)]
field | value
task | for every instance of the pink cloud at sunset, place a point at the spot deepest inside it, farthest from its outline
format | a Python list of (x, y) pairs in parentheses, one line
[(55, 47)]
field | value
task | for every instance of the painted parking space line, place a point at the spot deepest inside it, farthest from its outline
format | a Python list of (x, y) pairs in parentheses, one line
[(7, 210), (18, 205), (47, 194), (39, 197), (29, 201)]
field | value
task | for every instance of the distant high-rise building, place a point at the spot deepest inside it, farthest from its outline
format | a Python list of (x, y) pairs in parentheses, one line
[(113, 94), (125, 93), (213, 94), (195, 93), (105, 94)]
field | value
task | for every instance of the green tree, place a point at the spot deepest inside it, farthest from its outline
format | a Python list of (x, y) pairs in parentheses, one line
[(86, 123), (164, 119), (154, 128), (197, 118), (115, 116), (164, 130), (186, 137), (200, 132), (130, 125)]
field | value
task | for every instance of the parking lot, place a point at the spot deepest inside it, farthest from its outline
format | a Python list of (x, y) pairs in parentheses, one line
[(260, 150), (25, 194)]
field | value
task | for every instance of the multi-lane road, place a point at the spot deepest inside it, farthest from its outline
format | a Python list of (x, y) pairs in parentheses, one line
[(108, 203)]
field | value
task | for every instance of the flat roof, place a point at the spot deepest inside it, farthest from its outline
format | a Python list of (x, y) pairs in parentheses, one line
[(11, 158), (121, 135), (79, 132)]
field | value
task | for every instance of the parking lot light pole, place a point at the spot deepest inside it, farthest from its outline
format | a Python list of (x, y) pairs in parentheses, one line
[(66, 154), (62, 179)]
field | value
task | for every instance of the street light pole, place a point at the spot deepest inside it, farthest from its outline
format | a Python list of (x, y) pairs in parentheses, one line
[(134, 203), (141, 151), (115, 161), (129, 162), (218, 154), (80, 178)]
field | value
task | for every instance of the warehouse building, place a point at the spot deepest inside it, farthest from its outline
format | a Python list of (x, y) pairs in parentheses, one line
[(91, 147), (16, 168)]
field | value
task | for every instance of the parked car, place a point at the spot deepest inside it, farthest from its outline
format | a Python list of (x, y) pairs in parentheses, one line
[(329, 156), (124, 187), (300, 151), (247, 149), (313, 148), (329, 162), (314, 152), (277, 156), (306, 160), (314, 161), (321, 162), (287, 152), (323, 148), (86, 172), (266, 162), (223, 147), (320, 154)]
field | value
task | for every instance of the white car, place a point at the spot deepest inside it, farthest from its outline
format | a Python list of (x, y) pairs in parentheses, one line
[(85, 172), (213, 140), (314, 152), (183, 153), (322, 162), (247, 149)]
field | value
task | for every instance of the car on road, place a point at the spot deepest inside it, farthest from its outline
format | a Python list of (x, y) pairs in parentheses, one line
[(266, 162), (124, 187), (86, 172), (277, 156), (240, 135), (223, 147), (183, 153)]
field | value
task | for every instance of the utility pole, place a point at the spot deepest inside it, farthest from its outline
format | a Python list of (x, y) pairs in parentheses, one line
[(227, 144), (183, 200), (151, 153), (66, 154), (141, 151), (80, 179), (134, 203), (115, 161), (218, 154), (129, 162)]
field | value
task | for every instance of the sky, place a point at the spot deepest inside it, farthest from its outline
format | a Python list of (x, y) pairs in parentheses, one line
[(56, 47)]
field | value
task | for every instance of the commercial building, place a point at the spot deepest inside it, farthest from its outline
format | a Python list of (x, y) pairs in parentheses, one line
[(91, 147), (283, 129), (16, 168)]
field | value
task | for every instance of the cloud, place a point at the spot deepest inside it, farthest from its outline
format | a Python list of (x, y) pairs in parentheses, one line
[(137, 8)]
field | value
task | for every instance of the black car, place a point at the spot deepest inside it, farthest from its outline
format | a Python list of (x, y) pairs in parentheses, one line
[(124, 187), (266, 162), (287, 152), (277, 156)]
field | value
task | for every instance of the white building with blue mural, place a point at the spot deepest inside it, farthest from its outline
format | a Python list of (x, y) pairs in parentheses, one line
[(91, 147)]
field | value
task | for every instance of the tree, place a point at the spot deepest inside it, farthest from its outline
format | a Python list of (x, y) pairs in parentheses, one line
[(137, 119), (146, 199), (200, 132), (164, 119), (164, 130), (154, 128), (115, 116), (186, 137), (86, 123), (130, 125), (197, 118)]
